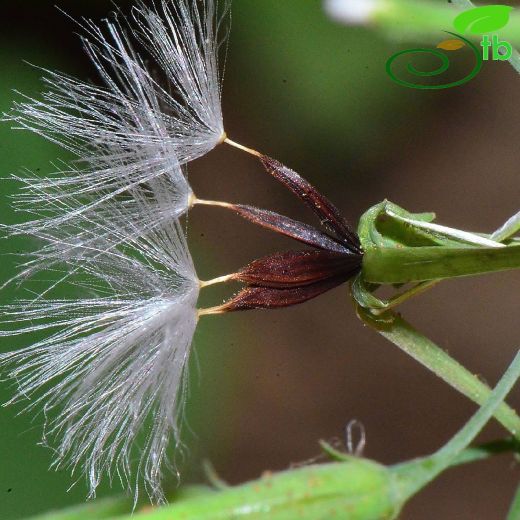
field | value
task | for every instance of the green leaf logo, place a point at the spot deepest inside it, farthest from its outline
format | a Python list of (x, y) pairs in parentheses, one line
[(485, 19)]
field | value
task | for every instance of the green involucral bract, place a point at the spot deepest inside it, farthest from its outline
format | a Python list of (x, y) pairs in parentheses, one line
[(357, 489), (401, 247)]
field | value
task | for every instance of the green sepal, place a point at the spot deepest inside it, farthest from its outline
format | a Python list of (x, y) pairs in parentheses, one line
[(385, 265), (377, 228), (334, 454)]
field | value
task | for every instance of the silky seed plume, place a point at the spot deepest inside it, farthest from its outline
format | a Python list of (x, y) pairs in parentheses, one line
[(114, 357), (120, 130)]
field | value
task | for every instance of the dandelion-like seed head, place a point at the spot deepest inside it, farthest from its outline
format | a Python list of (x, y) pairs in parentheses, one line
[(106, 225), (115, 357), (67, 225), (110, 371), (120, 130)]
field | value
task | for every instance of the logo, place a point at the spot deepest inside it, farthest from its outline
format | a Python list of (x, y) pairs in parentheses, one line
[(477, 21)]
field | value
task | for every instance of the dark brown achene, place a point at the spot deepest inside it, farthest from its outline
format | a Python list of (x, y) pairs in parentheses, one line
[(258, 297), (293, 277), (297, 268), (330, 217)]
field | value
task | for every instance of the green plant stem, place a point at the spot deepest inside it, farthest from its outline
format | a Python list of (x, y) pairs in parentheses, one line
[(116, 507), (415, 475), (492, 402), (514, 510), (356, 489), (402, 334), (413, 20)]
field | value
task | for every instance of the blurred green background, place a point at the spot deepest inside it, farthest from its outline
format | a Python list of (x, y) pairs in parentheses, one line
[(269, 385)]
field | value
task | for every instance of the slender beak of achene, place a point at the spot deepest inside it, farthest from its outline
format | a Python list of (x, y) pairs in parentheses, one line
[(293, 277)]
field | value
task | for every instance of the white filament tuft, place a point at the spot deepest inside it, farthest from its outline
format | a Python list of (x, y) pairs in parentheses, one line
[(121, 130), (110, 371), (110, 374), (69, 224)]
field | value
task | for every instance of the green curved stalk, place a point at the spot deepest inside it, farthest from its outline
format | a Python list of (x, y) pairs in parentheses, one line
[(409, 340), (416, 474), (514, 510)]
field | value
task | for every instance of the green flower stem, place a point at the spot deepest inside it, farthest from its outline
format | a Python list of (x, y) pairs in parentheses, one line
[(423, 350), (514, 510), (357, 489), (415, 475), (443, 458), (412, 20), (377, 479), (384, 265)]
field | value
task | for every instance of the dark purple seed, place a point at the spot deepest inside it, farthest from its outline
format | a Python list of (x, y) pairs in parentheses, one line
[(329, 215), (291, 228), (297, 268), (274, 298)]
